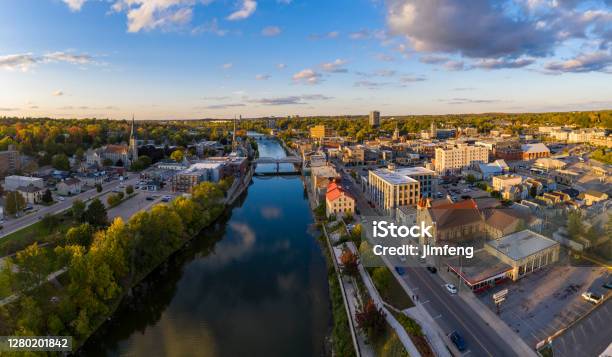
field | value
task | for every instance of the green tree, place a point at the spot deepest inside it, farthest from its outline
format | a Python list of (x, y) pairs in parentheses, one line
[(80, 235), (107, 162), (98, 188), (575, 227), (95, 214), (129, 189), (78, 208), (15, 202), (60, 162), (177, 155), (47, 196), (382, 278), (34, 265)]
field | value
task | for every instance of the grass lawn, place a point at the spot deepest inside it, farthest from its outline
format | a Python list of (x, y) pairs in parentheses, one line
[(36, 232), (389, 288)]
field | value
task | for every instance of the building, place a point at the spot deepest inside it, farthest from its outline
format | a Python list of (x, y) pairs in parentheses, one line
[(186, 180), (321, 177), (338, 201), (132, 144), (497, 167), (69, 187), (534, 151), (389, 189), (374, 119), (32, 194), (11, 183), (454, 159), (10, 161), (592, 196), (320, 132), (505, 182), (453, 222), (354, 155), (524, 251), (547, 163)]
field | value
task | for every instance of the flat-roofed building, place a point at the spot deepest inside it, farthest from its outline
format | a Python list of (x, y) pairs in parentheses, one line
[(186, 180), (389, 189), (12, 182), (481, 272), (10, 161), (505, 182), (525, 251), (321, 132), (374, 119), (454, 159)]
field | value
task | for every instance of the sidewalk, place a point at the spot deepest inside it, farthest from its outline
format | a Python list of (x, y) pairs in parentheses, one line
[(399, 329)]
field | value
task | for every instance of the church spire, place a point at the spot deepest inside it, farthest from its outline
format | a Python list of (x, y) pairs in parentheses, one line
[(133, 146)]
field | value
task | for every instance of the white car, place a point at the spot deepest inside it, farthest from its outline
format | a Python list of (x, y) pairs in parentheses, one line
[(592, 297), (60, 198), (451, 288)]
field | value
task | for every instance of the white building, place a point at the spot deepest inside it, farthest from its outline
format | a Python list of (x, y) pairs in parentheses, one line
[(11, 183), (455, 158)]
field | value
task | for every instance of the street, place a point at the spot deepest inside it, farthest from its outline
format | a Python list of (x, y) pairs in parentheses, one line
[(449, 312), (13, 225)]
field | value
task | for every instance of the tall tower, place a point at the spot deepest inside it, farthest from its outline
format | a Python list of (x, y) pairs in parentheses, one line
[(234, 136), (433, 131), (396, 133), (133, 147), (374, 118)]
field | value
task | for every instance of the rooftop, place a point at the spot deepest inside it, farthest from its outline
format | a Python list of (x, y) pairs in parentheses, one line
[(537, 147), (480, 267), (395, 177), (521, 244)]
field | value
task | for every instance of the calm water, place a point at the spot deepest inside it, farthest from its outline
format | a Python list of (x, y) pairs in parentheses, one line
[(254, 285)]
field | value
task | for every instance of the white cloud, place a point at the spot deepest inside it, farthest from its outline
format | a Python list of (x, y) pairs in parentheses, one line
[(146, 15), (227, 65), (58, 93), (68, 57), (247, 9), (74, 5), (262, 77), (335, 66), (271, 31), (210, 27), (587, 62), (307, 76), (23, 62), (281, 66)]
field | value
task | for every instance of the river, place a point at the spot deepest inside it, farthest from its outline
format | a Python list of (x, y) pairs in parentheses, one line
[(255, 284)]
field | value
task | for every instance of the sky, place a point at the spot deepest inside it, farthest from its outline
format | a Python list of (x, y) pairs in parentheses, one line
[(187, 59)]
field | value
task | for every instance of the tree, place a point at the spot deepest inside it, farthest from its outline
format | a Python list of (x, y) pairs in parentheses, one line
[(575, 227), (129, 189), (177, 155), (15, 202), (60, 162), (371, 320), (47, 197), (113, 200), (533, 191), (356, 234), (34, 265), (107, 162), (98, 187), (80, 235), (50, 221), (382, 278), (78, 208), (96, 214), (350, 262)]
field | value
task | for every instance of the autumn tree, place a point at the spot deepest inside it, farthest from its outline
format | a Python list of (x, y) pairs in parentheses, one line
[(177, 155), (371, 320), (349, 262), (15, 202)]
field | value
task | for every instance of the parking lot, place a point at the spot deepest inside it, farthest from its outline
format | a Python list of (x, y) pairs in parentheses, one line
[(548, 300)]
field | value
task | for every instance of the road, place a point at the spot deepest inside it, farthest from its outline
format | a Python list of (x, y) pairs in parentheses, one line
[(13, 225), (450, 313)]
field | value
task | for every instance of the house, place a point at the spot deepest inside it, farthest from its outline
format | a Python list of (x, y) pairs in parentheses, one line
[(70, 186), (497, 167), (591, 196), (32, 194), (338, 201), (321, 177)]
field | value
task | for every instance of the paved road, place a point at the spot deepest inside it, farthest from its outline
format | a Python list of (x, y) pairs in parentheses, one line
[(13, 225), (448, 310)]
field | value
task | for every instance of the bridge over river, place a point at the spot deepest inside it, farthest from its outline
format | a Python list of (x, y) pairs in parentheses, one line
[(295, 160)]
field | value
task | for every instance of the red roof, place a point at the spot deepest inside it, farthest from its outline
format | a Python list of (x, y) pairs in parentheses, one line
[(334, 191)]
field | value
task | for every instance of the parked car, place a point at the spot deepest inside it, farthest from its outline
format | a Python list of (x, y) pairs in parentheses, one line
[(451, 288), (607, 285), (457, 340), (592, 297), (432, 269), (402, 258), (400, 270), (149, 198), (60, 198)]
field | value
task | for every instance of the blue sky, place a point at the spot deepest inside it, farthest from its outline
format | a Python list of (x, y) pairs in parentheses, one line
[(173, 59)]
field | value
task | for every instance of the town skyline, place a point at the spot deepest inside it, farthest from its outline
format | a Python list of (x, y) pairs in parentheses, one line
[(176, 59)]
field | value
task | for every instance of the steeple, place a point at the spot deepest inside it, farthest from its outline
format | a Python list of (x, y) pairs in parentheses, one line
[(133, 146)]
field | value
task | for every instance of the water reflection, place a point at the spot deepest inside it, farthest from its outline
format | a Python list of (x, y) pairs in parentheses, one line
[(253, 285)]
